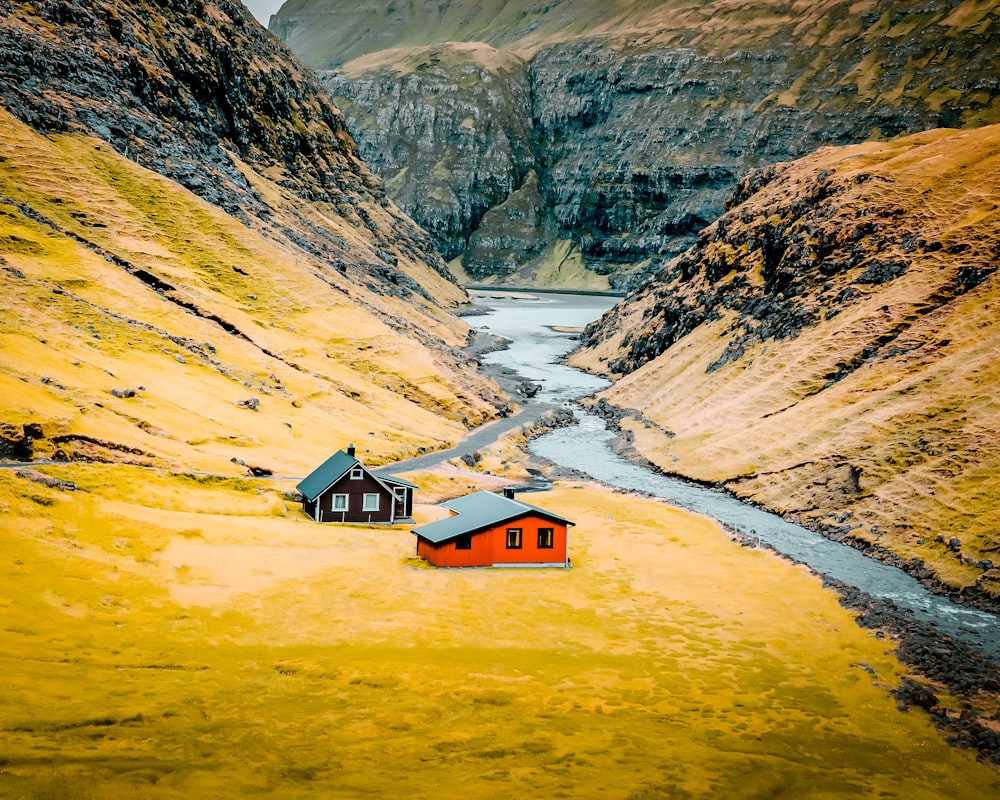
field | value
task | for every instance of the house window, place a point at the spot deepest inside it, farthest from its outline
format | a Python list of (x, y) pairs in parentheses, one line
[(513, 538), (357, 474), (370, 503), (464, 542), (545, 538), (340, 502)]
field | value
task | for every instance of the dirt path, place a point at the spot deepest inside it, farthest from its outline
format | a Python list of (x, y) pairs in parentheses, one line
[(481, 437), (529, 411), (476, 440)]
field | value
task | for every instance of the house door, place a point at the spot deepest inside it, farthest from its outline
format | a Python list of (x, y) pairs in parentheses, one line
[(399, 497)]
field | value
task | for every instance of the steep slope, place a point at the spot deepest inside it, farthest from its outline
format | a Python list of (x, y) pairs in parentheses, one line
[(194, 90), (829, 349), (329, 33), (640, 116), (453, 154), (198, 268)]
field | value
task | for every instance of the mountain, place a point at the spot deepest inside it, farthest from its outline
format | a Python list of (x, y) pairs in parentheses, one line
[(634, 120), (828, 349), (198, 268)]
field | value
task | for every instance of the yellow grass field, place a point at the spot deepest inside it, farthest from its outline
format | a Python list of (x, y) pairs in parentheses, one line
[(169, 636)]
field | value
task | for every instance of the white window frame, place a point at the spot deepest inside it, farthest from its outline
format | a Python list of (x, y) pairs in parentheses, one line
[(340, 497), (517, 536), (367, 501), (357, 473), (550, 538)]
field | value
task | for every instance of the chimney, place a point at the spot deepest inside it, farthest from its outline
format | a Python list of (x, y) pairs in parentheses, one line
[(508, 492), (351, 450)]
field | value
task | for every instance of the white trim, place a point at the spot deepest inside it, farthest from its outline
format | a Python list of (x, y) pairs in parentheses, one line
[(366, 506), (334, 498), (552, 539), (520, 539), (357, 474), (385, 483), (332, 483)]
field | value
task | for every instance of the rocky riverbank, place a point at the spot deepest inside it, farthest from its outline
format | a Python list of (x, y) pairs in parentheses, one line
[(625, 447), (958, 685), (954, 683), (787, 360)]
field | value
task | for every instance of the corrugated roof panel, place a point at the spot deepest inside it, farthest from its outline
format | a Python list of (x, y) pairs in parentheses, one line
[(478, 511), (383, 476), (325, 474)]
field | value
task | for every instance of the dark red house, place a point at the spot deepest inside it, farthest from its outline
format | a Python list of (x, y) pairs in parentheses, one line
[(342, 489), (490, 530)]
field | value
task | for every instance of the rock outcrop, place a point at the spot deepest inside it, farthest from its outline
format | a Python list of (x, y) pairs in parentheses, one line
[(511, 234), (448, 130), (638, 120)]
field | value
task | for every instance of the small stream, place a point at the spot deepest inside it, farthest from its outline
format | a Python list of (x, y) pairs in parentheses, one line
[(536, 352)]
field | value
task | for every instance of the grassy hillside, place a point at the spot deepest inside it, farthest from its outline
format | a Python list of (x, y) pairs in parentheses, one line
[(118, 279), (829, 350), (210, 641), (311, 29), (309, 26), (331, 33)]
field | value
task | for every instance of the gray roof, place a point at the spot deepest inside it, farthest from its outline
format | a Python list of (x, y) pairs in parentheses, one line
[(332, 470), (385, 476), (325, 475), (479, 511)]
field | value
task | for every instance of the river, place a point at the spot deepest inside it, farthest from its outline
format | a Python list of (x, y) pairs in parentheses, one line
[(536, 326)]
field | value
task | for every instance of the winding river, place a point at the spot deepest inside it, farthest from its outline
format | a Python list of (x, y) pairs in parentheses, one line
[(536, 326)]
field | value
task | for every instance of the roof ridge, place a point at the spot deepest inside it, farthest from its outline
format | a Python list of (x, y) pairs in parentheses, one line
[(478, 515)]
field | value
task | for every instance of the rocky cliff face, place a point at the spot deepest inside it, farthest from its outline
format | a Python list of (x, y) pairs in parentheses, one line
[(638, 133), (183, 86), (828, 349), (448, 130)]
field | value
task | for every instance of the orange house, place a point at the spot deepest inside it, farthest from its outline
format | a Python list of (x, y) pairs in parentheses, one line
[(490, 530)]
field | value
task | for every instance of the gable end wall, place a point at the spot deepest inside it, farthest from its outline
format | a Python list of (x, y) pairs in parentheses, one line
[(355, 491), (489, 547)]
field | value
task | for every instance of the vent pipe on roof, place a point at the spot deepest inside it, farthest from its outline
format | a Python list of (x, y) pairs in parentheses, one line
[(351, 450), (508, 492)]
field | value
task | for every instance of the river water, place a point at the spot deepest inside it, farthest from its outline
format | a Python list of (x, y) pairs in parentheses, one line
[(535, 326)]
